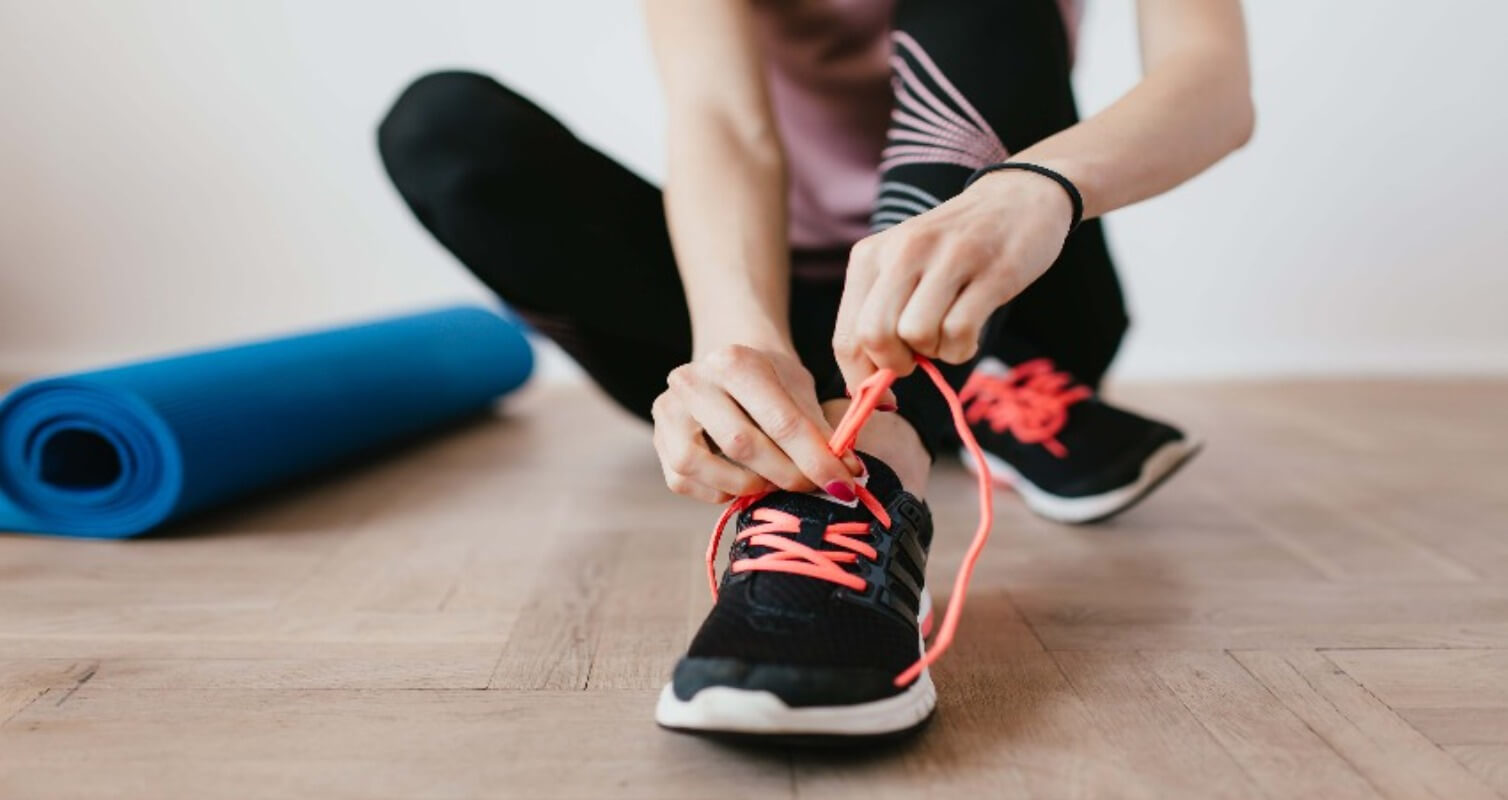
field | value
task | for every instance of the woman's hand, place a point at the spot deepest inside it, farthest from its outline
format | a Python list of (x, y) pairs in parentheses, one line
[(929, 284), (759, 409)]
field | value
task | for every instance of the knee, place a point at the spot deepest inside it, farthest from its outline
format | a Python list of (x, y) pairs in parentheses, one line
[(445, 123)]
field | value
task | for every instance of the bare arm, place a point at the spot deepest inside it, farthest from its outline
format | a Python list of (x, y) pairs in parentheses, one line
[(725, 191), (745, 389), (1191, 108), (929, 284)]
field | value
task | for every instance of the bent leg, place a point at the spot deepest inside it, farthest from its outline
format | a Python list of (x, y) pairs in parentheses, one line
[(570, 239), (974, 83)]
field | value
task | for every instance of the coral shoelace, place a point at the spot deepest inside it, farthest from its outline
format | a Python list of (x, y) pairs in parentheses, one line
[(790, 556), (1031, 401)]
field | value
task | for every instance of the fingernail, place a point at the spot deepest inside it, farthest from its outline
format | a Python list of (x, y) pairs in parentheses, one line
[(887, 407), (842, 491)]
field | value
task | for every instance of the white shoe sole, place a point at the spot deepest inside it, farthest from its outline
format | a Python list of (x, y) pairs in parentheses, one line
[(1158, 467), (724, 709), (745, 712)]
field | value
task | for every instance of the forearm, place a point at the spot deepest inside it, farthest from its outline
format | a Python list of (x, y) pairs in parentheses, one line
[(725, 203), (1192, 108), (725, 192)]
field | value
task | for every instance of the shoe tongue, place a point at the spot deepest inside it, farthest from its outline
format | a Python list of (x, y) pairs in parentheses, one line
[(881, 481), (799, 592)]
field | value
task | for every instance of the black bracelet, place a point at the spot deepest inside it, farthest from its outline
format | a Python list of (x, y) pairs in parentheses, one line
[(1074, 198)]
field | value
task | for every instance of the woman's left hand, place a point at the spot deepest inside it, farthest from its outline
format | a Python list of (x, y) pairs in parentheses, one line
[(928, 285)]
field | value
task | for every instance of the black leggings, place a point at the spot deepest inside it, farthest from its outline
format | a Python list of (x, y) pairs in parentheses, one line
[(577, 244)]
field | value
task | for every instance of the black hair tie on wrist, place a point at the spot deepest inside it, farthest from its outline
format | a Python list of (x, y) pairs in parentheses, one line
[(1074, 198)]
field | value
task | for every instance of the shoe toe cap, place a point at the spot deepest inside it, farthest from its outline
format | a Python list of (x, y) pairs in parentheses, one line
[(795, 685)]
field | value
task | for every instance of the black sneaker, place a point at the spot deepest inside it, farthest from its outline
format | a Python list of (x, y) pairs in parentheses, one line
[(808, 649), (1071, 456)]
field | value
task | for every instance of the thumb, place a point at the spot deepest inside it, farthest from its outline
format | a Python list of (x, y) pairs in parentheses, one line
[(813, 408)]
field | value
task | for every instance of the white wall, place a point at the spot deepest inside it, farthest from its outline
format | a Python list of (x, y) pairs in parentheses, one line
[(1363, 229), (181, 172)]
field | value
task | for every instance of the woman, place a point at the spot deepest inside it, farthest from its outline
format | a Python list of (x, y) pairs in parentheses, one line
[(851, 183)]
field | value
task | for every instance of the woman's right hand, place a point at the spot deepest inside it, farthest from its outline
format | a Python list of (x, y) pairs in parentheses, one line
[(742, 420)]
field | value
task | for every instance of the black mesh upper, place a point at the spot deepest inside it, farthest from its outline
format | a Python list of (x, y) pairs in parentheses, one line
[(793, 620), (1106, 449)]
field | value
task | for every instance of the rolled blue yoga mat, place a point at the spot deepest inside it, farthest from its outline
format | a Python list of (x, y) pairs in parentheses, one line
[(117, 452)]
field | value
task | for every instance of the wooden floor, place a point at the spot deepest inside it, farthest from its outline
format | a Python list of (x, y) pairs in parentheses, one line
[(1317, 608)]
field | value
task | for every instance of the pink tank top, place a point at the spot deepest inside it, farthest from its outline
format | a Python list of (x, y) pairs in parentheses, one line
[(829, 78)]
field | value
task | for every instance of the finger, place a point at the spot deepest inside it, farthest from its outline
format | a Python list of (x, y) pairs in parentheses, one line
[(739, 437), (796, 431), (853, 362), (800, 385), (885, 402), (684, 454), (880, 318), (806, 398), (964, 322), (686, 487), (920, 323), (859, 369)]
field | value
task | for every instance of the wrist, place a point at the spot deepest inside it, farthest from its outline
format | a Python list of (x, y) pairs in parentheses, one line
[(760, 334), (1037, 186)]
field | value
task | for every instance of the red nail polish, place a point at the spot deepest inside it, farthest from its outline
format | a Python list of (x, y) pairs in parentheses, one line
[(842, 491), (887, 407)]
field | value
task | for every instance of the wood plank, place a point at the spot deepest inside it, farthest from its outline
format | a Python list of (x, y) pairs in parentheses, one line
[(1460, 725), (366, 744), (552, 644), (45, 673), (445, 667), (1292, 635), (1014, 728), (12, 700), (1395, 758), (1263, 615), (1488, 761), (645, 619), (1151, 727), (193, 648), (1430, 678), (1311, 515), (1279, 752)]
